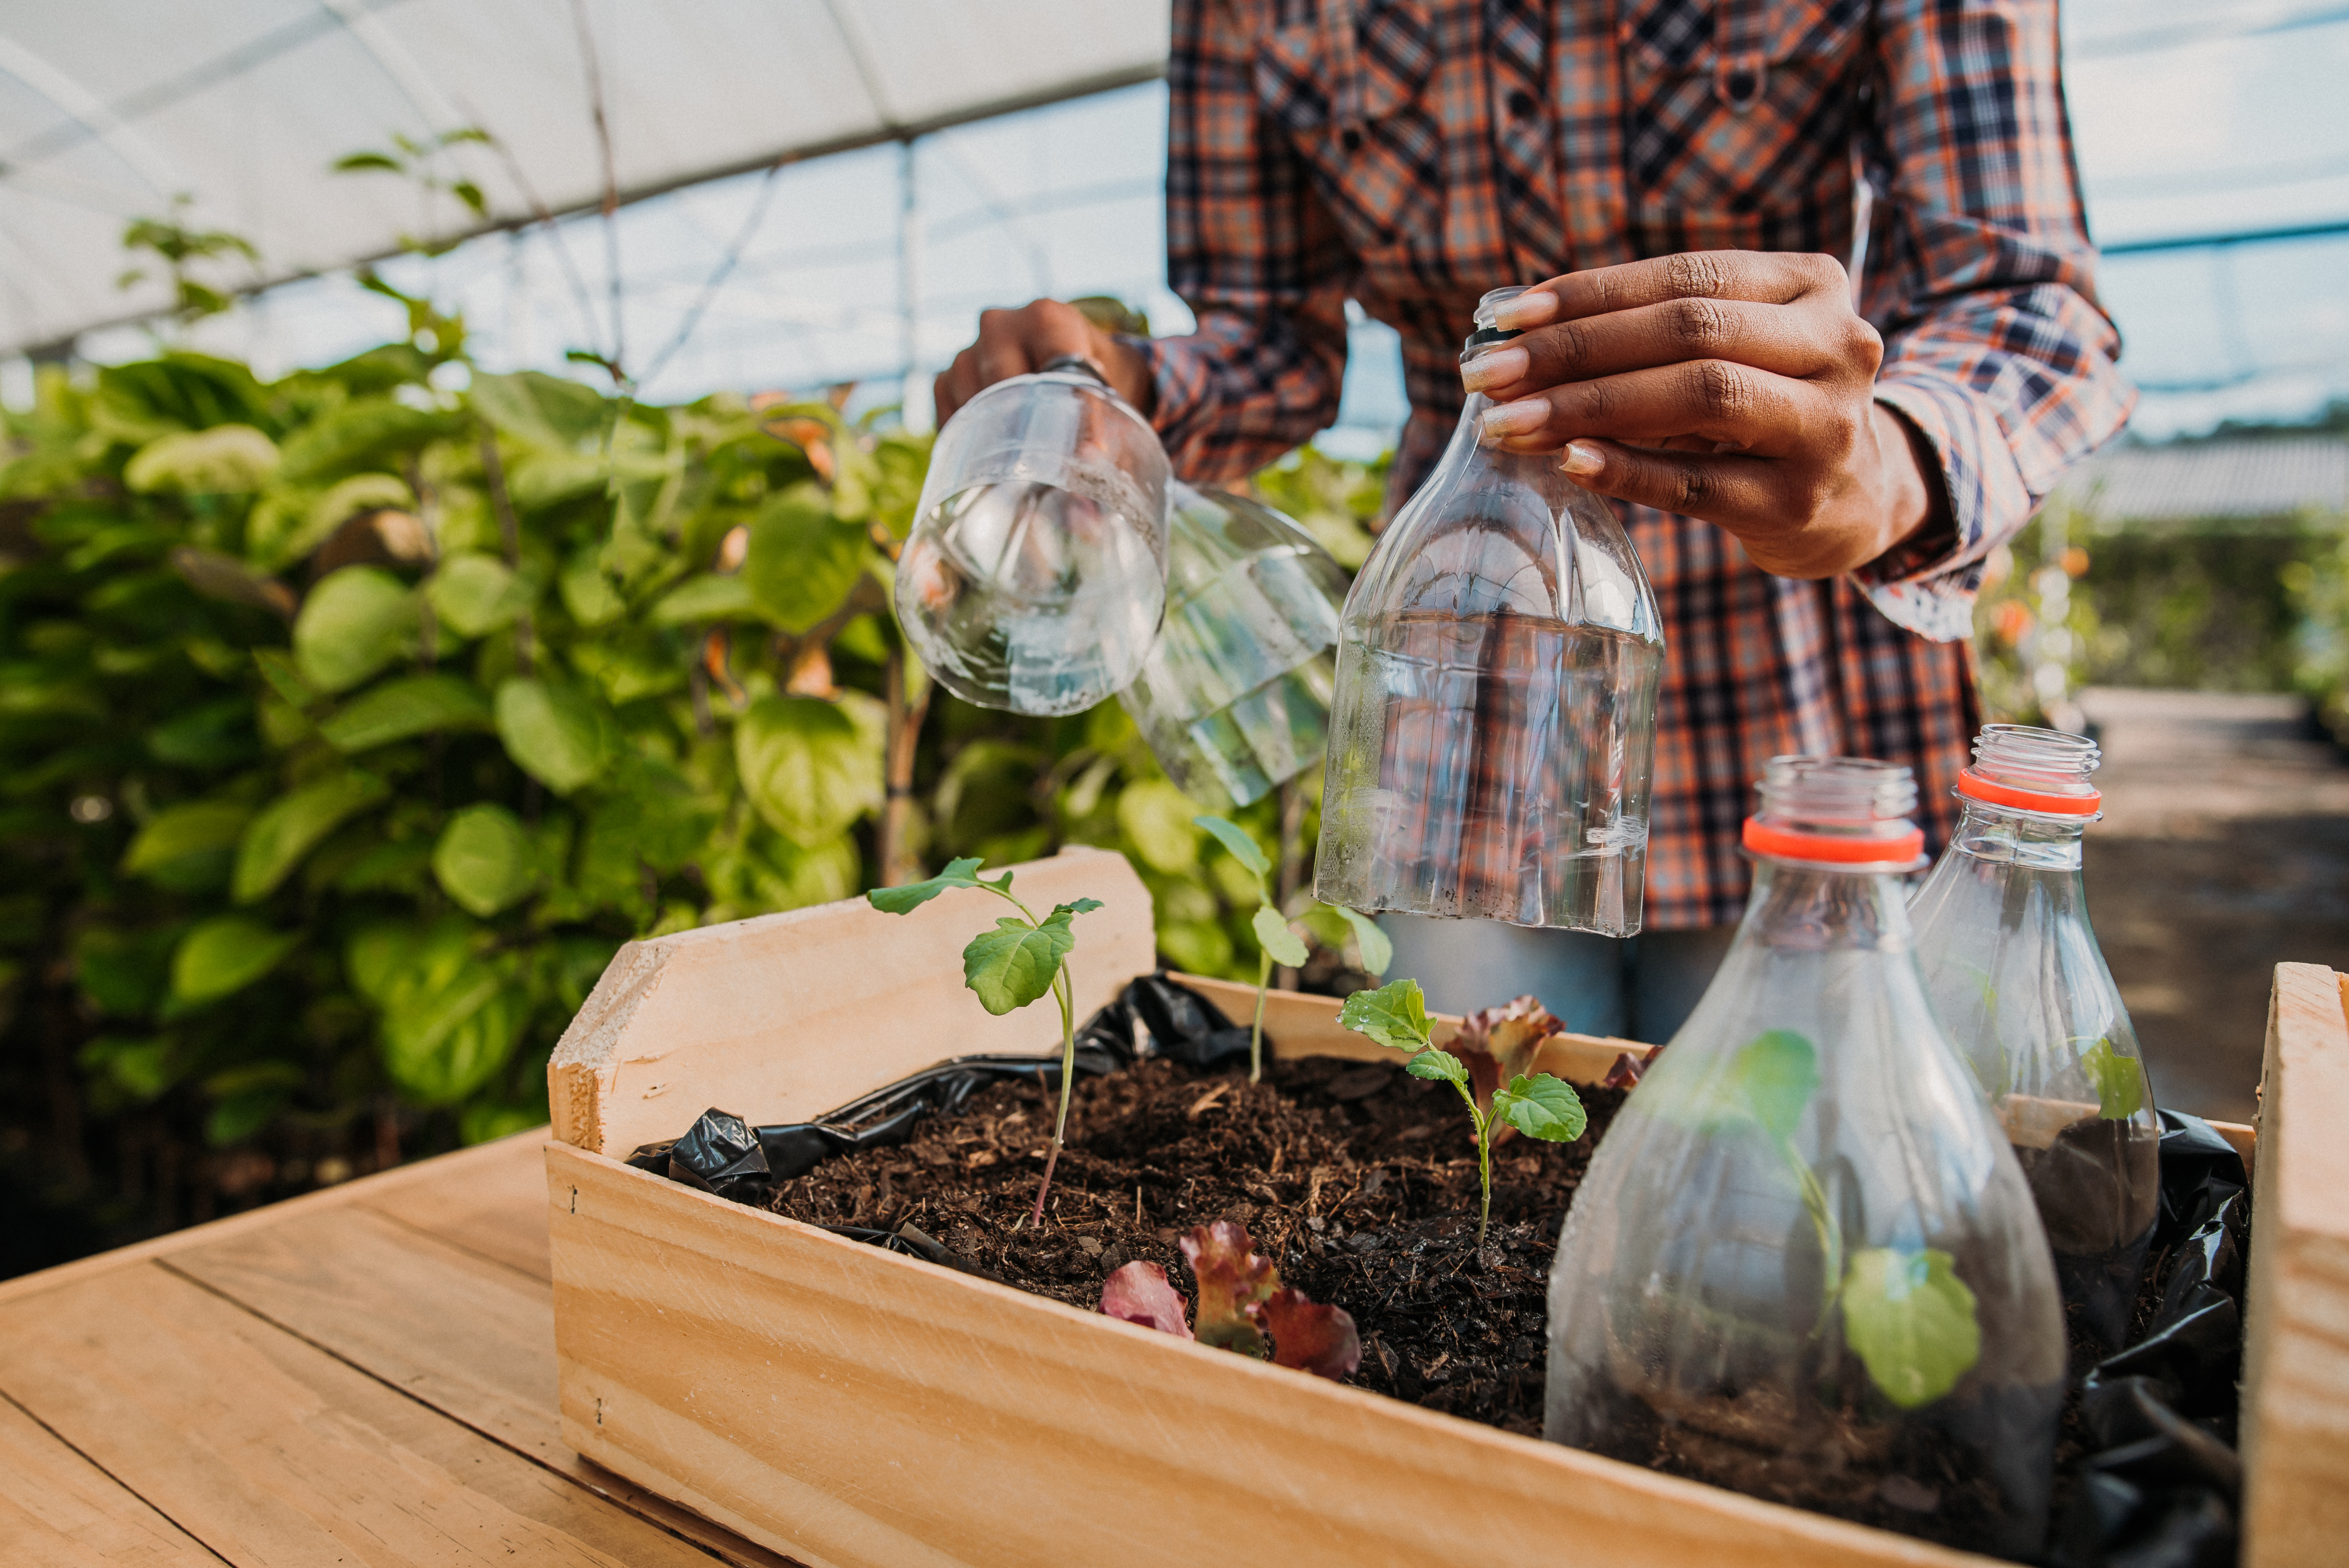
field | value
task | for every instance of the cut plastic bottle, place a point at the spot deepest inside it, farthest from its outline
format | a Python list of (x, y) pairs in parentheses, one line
[(2014, 971), (1804, 1264), (1036, 572), (1234, 697), (1494, 727)]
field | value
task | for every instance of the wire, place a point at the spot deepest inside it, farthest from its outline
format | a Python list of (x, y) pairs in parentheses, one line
[(717, 280), (2239, 237)]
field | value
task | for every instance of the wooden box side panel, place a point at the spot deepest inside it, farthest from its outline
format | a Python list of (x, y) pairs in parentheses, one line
[(2295, 1411), (855, 1410), (789, 1015)]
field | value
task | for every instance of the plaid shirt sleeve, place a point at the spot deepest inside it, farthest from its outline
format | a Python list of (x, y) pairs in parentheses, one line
[(1996, 348), (1253, 251)]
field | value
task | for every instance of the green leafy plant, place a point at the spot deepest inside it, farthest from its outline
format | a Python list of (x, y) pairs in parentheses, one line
[(1276, 941), (1240, 1299), (1008, 967), (1537, 1105), (1906, 1314), (2118, 1079)]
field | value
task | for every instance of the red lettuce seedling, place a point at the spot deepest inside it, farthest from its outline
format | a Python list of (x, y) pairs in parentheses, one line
[(1538, 1106), (1240, 1296), (1012, 966), (1498, 1045)]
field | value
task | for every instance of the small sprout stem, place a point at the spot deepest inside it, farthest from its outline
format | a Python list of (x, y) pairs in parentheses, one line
[(1256, 1035), (1060, 994)]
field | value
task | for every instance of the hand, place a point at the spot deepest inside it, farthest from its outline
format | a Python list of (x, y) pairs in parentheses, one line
[(1737, 386), (1015, 342)]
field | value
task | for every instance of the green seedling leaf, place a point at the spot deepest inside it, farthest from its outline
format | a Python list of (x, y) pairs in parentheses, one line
[(1442, 1066), (913, 895), (1396, 1015), (1233, 1281), (1911, 1321), (2119, 1080), (224, 954), (1377, 951), (1139, 1293), (484, 861), (1312, 1337), (1499, 1044), (1542, 1106), (1243, 848), (1772, 1080), (1285, 946), (1013, 965)]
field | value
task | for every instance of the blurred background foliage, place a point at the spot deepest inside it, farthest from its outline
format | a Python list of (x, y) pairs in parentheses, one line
[(351, 721)]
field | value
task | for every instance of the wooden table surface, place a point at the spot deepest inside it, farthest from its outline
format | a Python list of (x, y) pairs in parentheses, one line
[(363, 1375)]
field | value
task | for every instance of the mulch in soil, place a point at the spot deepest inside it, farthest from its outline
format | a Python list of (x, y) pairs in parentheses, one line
[(1359, 1181)]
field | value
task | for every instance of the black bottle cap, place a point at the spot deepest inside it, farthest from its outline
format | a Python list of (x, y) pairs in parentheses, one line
[(1485, 334)]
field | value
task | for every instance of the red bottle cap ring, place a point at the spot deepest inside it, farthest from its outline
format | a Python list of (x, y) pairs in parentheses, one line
[(1786, 843), (1975, 786)]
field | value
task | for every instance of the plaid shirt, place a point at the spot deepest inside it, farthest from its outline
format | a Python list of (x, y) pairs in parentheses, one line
[(1411, 154)]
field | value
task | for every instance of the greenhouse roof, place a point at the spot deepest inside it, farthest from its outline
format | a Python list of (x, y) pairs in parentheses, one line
[(2249, 480), (110, 110)]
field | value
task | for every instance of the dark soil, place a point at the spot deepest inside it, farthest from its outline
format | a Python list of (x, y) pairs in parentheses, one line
[(1357, 1181)]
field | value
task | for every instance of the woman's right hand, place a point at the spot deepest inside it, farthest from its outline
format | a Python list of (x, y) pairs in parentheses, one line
[(1015, 342)]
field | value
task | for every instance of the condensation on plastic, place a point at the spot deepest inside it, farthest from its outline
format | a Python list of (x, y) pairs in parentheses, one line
[(1036, 572), (2165, 1484), (1493, 735), (1234, 697), (1807, 1131), (2019, 982), (720, 1155)]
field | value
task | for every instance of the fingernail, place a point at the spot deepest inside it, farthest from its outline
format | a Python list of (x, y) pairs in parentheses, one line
[(1496, 367), (1527, 413), (1536, 307), (1581, 460)]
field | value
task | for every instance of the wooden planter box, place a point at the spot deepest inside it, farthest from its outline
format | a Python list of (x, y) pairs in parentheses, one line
[(845, 1406)]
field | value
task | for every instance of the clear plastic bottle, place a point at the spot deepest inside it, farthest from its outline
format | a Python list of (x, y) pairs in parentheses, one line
[(1494, 727), (1036, 572), (2021, 985), (1804, 1264), (1234, 697)]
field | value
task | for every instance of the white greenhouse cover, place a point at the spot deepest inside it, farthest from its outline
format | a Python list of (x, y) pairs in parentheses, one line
[(111, 109)]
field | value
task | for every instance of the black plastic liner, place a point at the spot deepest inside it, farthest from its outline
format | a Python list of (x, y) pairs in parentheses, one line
[(2165, 1487), (724, 1155)]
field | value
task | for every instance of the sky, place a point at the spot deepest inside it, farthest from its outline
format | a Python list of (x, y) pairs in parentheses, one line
[(2190, 119)]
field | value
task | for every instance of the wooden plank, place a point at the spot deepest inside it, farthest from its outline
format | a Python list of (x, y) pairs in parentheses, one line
[(789, 1016), (59, 1511), (2295, 1410), (495, 1206), (473, 1339), (857, 1409), (272, 1452), (1303, 1026)]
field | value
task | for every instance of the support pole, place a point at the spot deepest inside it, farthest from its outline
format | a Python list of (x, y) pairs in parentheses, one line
[(917, 385)]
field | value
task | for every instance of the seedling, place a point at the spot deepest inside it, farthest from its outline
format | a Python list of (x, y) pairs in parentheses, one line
[(1537, 1105), (1278, 942), (1906, 1313), (1008, 967), (1240, 1297)]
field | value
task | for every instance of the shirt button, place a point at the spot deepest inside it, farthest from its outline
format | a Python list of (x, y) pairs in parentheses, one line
[(1521, 105), (1351, 140)]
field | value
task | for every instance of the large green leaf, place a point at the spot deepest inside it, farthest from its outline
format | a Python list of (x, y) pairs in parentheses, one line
[(227, 460), (1377, 951), (485, 860), (1912, 1320), (910, 897), (587, 592), (1541, 1106), (289, 828), (362, 432), (801, 563), (224, 954), (1157, 817), (478, 594), (545, 411), (556, 734), (808, 765), (1273, 934), (708, 597), (411, 705), (355, 622), (1395, 1014), (1243, 848), (449, 1019), (208, 829)]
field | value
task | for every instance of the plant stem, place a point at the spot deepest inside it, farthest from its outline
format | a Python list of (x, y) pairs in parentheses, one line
[(1060, 994), (1256, 1040)]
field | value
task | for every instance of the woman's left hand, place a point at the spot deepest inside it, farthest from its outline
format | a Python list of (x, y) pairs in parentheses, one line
[(1737, 386)]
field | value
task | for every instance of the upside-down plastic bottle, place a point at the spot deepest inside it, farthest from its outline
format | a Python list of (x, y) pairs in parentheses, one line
[(1234, 697), (1804, 1264), (1495, 727), (2021, 985)]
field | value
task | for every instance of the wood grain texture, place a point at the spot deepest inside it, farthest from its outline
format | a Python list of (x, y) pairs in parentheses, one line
[(495, 1209), (782, 1017), (273, 1453), (59, 1511), (2295, 1411), (857, 1409), (1303, 1026)]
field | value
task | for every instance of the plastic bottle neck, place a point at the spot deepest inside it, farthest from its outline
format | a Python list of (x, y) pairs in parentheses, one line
[(1806, 907), (2003, 835)]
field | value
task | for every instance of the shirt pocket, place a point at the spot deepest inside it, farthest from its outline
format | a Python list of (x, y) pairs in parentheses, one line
[(1735, 47), (1353, 101)]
